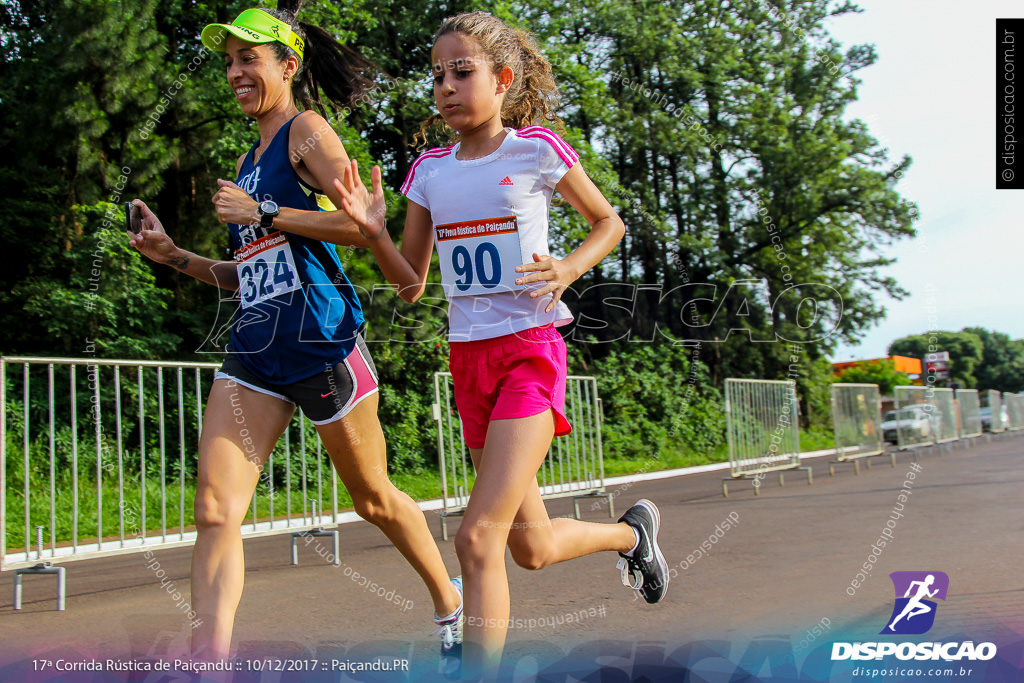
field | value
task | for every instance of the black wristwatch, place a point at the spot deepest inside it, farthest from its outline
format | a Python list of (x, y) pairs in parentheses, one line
[(268, 211)]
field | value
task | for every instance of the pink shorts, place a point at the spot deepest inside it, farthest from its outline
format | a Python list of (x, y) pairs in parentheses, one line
[(516, 375)]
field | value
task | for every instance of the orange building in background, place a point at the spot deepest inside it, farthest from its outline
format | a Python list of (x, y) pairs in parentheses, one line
[(911, 366)]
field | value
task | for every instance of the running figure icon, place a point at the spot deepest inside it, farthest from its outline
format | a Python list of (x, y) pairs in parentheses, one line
[(915, 607), (916, 596)]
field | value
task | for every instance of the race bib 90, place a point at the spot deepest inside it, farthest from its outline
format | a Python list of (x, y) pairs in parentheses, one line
[(479, 257), (266, 269)]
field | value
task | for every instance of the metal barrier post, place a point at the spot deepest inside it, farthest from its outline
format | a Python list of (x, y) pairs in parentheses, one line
[(857, 424), (316, 530), (1014, 411), (40, 568), (454, 471), (969, 407), (763, 430), (995, 406)]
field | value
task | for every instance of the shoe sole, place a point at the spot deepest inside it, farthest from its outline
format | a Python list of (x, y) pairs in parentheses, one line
[(662, 564)]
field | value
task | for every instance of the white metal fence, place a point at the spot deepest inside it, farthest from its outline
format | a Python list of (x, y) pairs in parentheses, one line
[(969, 405), (573, 467), (913, 420), (1014, 411), (857, 422), (944, 416), (762, 427), (102, 454), (995, 405)]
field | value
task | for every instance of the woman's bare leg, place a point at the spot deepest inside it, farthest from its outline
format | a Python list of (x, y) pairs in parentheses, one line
[(356, 446), (240, 428)]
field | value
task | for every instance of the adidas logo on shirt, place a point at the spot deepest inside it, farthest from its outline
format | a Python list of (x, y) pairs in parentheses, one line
[(506, 181)]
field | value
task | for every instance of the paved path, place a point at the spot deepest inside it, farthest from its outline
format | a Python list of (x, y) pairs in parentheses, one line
[(783, 568)]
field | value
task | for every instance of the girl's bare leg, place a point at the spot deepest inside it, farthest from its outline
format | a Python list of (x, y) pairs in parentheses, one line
[(506, 508)]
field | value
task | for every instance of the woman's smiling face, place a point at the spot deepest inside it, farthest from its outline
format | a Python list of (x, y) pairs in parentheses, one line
[(257, 77)]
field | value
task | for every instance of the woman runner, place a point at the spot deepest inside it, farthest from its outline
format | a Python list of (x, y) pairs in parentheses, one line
[(295, 339)]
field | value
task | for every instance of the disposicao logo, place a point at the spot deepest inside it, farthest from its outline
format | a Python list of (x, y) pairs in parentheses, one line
[(913, 614)]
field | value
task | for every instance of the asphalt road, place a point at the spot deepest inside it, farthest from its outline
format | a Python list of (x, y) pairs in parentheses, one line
[(783, 568)]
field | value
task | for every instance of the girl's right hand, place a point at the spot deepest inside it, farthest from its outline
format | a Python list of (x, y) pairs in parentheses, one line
[(152, 241), (368, 211)]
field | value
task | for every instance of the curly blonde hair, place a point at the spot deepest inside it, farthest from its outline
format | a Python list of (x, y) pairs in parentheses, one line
[(532, 97)]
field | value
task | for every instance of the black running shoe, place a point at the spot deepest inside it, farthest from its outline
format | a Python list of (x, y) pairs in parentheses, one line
[(647, 566)]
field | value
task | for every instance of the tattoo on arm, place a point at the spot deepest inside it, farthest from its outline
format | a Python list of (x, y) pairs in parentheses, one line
[(179, 262)]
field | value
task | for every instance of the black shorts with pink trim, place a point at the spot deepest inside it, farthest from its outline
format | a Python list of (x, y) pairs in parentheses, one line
[(326, 396)]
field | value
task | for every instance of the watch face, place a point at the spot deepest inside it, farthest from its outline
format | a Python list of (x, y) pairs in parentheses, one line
[(268, 206)]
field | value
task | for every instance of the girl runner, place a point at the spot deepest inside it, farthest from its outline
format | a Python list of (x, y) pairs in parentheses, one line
[(295, 339), (484, 201)]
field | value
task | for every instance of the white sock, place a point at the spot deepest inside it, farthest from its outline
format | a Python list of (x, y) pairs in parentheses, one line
[(453, 615), (635, 545)]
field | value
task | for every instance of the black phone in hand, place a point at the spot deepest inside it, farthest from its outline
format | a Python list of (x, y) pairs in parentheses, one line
[(132, 218)]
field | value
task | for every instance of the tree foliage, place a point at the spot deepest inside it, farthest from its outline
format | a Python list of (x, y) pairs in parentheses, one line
[(965, 352), (1002, 361), (757, 212), (978, 358), (881, 372)]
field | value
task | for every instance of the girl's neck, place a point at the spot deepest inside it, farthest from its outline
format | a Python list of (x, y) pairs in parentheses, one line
[(482, 140)]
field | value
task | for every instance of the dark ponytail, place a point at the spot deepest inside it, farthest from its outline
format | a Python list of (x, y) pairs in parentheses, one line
[(337, 71)]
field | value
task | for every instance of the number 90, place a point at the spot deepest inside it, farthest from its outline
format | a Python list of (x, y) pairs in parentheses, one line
[(463, 265)]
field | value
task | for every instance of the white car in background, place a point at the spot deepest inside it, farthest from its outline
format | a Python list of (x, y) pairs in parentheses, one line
[(915, 421), (986, 418)]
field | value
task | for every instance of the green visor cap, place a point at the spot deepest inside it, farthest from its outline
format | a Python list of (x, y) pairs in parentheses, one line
[(252, 26)]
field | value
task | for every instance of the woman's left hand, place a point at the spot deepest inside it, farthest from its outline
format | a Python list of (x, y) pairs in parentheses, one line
[(558, 273), (234, 205)]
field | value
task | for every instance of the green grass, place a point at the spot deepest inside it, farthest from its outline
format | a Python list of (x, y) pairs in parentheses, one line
[(423, 485), (810, 440), (619, 466), (816, 439), (171, 513), (93, 508)]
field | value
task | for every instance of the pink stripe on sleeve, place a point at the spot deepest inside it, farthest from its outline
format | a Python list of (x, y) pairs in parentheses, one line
[(564, 150), (436, 153)]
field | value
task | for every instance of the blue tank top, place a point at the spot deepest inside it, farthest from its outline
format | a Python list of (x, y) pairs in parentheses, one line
[(298, 311)]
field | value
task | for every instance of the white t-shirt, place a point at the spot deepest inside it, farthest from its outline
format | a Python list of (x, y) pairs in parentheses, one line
[(489, 216)]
